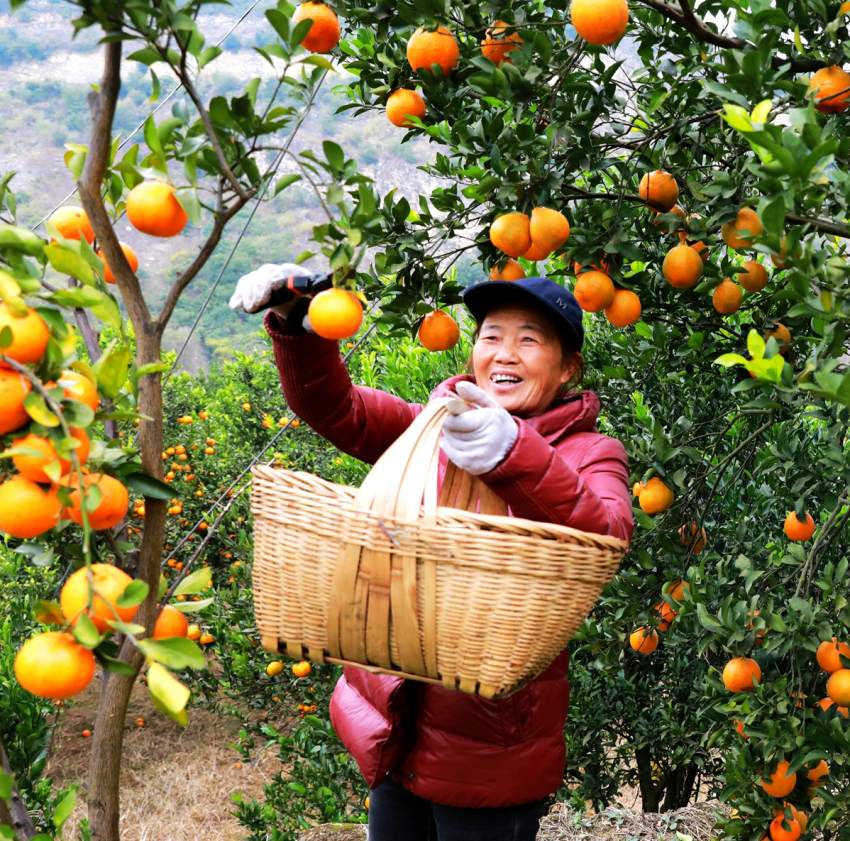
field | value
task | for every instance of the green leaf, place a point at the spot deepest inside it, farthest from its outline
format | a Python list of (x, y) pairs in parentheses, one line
[(112, 368), (152, 138), (66, 259), (193, 607), (208, 55), (755, 344), (86, 633), (118, 667), (79, 296), (146, 56), (38, 411), (7, 783), (773, 216), (285, 182), (165, 689), (151, 368), (737, 117), (728, 359), (64, 808), (176, 653), (334, 154), (707, 620), (48, 613), (21, 239), (134, 594), (199, 581), (761, 111), (146, 485)]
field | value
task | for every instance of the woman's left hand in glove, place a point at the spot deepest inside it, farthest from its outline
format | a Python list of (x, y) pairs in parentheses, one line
[(477, 439)]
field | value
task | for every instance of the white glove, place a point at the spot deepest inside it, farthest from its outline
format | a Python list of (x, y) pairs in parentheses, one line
[(255, 289), (478, 439)]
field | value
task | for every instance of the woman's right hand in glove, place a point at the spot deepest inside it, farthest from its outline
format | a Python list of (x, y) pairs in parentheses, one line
[(255, 289)]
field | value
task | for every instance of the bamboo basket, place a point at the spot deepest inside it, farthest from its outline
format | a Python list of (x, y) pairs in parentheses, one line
[(390, 578)]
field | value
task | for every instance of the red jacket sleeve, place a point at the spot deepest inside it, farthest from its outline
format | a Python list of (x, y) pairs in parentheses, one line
[(538, 484), (360, 421)]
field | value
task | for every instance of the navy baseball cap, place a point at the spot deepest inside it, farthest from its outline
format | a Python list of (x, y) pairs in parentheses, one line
[(553, 298)]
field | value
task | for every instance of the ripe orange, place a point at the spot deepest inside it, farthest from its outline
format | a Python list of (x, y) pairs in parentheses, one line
[(302, 668), (594, 291), (624, 309), (108, 582), (428, 47), (655, 497), (498, 43), (780, 783), (666, 615), (828, 655), (659, 222), (403, 103), (820, 770), (838, 687), (323, 34), (170, 623), (741, 232), (193, 632), (796, 529), (785, 829), (54, 665), (740, 674), (678, 590), (827, 703), (438, 331), (637, 487), (692, 537), (753, 276), (113, 505), (726, 297), (32, 466), (701, 249), (132, 259), (601, 266), (644, 640), (152, 208), (29, 335), (26, 509), (274, 668), (334, 314), (14, 388), (77, 387), (739, 728), (659, 189), (682, 267), (830, 86), (782, 335), (511, 270), (801, 817), (71, 221), (511, 234), (600, 22), (206, 639), (549, 228), (536, 252), (780, 260)]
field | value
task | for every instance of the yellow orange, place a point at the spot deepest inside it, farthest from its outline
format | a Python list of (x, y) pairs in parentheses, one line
[(153, 208), (656, 496), (549, 228), (830, 86), (828, 655), (752, 276), (72, 222), (132, 259), (428, 47), (796, 529), (103, 591), (740, 674), (14, 388), (54, 665), (838, 687), (334, 314), (510, 270), (726, 297), (29, 335), (644, 640), (26, 509), (403, 103), (170, 623), (780, 783), (682, 267), (112, 507), (511, 234), (438, 331)]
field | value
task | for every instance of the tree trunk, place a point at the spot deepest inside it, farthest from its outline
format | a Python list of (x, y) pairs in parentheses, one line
[(650, 796), (14, 812)]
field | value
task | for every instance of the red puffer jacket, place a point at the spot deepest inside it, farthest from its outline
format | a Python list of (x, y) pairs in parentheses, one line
[(445, 746)]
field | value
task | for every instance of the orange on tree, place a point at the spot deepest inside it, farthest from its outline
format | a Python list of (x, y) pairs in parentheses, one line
[(656, 496), (785, 829), (98, 597), (820, 770), (637, 487), (29, 335), (32, 466), (829, 655), (112, 507), (323, 34), (14, 388), (752, 276), (659, 221), (659, 190), (302, 668), (740, 674), (838, 687), (26, 509), (780, 260), (780, 783), (511, 234), (334, 314), (54, 665), (702, 249), (403, 103), (678, 589), (549, 228), (72, 222), (827, 703), (741, 231), (498, 42), (830, 87), (726, 297), (132, 259), (782, 335), (170, 623), (644, 640), (797, 529), (624, 308), (600, 22), (438, 331), (428, 47), (75, 386), (693, 537), (206, 639), (274, 668), (510, 270), (153, 208), (682, 267), (193, 632), (594, 291), (536, 252), (801, 817), (666, 615), (739, 728)]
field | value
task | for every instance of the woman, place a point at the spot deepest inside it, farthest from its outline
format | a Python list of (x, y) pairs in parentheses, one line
[(445, 766)]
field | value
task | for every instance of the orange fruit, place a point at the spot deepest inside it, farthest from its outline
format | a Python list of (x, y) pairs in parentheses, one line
[(26, 509), (206, 639), (678, 590), (659, 189), (780, 783), (77, 387), (594, 291), (624, 308), (801, 817), (682, 267), (655, 497), (741, 232), (54, 665), (782, 335), (666, 614), (828, 655), (536, 252), (785, 829), (844, 8), (692, 537), (152, 208), (71, 221), (497, 44), (109, 583), (780, 260), (132, 259), (170, 623), (796, 529), (510, 270), (438, 331), (753, 276), (701, 249), (827, 703), (549, 228), (644, 640), (740, 674), (193, 632), (32, 466), (14, 388), (428, 47), (739, 728), (511, 234), (29, 335), (659, 222), (601, 266), (820, 770), (637, 487), (838, 687), (830, 86), (726, 297), (403, 103), (302, 668), (600, 22), (323, 34), (113, 505), (334, 314)]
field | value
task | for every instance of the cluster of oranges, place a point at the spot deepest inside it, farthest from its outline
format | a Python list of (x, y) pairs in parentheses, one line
[(645, 639)]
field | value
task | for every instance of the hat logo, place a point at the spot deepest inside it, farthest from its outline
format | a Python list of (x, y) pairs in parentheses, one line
[(562, 303)]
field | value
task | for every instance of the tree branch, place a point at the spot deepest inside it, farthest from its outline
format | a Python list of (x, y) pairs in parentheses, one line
[(14, 813), (822, 225)]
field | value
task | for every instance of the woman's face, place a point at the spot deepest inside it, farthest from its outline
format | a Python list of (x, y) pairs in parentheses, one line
[(518, 360)]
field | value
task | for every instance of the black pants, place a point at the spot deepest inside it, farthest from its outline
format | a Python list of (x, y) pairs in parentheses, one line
[(397, 815)]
